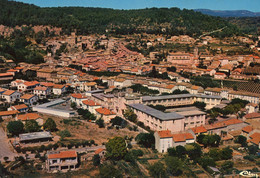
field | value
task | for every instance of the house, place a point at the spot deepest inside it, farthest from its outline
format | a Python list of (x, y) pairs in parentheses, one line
[(11, 95), (255, 139), (77, 98), (59, 89), (61, 160), (8, 114), (101, 152), (164, 139), (219, 75), (27, 86), (6, 76), (246, 130), (20, 108), (198, 130), (252, 116), (30, 116), (29, 99), (252, 108), (42, 92), (89, 86), (105, 114), (182, 139), (90, 105)]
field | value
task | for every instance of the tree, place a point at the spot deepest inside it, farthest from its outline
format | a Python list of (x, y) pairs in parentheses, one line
[(180, 151), (214, 153), (193, 151), (200, 105), (15, 127), (130, 115), (64, 133), (241, 140), (227, 165), (172, 151), (109, 171), (100, 123), (31, 126), (145, 139), (73, 105), (207, 161), (96, 160), (252, 149), (118, 121), (50, 125), (174, 165), (157, 170), (116, 148), (226, 153)]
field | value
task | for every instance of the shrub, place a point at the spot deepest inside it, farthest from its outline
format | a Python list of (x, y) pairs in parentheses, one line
[(65, 133)]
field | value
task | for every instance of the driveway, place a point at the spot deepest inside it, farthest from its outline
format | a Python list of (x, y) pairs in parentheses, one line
[(5, 149)]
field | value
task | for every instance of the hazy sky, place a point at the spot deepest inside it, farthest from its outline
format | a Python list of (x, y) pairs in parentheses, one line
[(252, 5)]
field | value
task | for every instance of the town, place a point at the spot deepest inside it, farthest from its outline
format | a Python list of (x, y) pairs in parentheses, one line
[(135, 105)]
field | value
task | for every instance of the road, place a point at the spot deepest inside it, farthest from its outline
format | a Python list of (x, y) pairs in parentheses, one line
[(5, 148)]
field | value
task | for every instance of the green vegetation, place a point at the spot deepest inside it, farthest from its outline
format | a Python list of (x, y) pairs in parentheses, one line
[(209, 140), (50, 125), (15, 127), (116, 148), (96, 160), (109, 171), (204, 81), (100, 122), (145, 139), (157, 170), (143, 90), (31, 126), (241, 140), (64, 133), (200, 105), (130, 115), (118, 121), (86, 114), (171, 21)]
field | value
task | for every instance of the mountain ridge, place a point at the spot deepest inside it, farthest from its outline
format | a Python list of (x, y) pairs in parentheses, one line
[(228, 13)]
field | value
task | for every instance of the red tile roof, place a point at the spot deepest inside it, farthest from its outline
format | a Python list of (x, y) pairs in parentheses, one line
[(8, 92), (247, 129), (104, 111), (8, 113), (200, 129), (27, 96), (41, 88), (99, 150), (252, 115), (164, 134), (182, 137), (78, 96), (255, 138), (90, 103), (58, 86), (28, 116), (21, 106), (63, 154)]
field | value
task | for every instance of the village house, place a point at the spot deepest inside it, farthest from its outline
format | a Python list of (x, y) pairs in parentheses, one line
[(180, 58), (105, 114), (252, 116), (20, 108), (251, 97), (42, 92), (77, 98), (29, 99), (219, 75), (46, 73), (164, 139), (255, 139), (30, 116), (11, 96), (246, 130), (6, 76), (88, 86), (27, 86), (35, 137), (8, 114), (90, 105), (58, 89), (101, 152), (251, 108), (61, 160)]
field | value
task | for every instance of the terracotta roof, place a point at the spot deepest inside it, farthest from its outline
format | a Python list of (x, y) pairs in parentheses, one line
[(8, 92), (78, 96), (5, 74), (7, 113), (41, 88), (21, 106), (104, 111), (90, 103), (58, 86), (28, 116), (232, 122), (27, 96), (164, 134), (200, 129), (31, 83), (63, 154), (252, 115), (182, 137), (99, 150), (255, 138), (247, 129)]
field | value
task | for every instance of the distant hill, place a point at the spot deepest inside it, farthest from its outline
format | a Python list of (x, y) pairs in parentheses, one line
[(169, 21), (228, 13)]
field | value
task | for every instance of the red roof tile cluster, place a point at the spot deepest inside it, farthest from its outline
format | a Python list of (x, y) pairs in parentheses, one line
[(41, 88), (28, 116), (63, 154), (104, 111), (8, 92), (27, 96), (198, 130), (165, 134), (78, 96), (90, 103), (8, 113), (21, 106), (252, 115), (99, 151), (247, 129), (255, 138), (182, 137)]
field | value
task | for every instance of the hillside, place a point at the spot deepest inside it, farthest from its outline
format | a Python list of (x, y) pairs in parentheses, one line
[(229, 13), (171, 21)]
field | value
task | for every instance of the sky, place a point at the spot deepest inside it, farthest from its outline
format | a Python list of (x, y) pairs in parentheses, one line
[(252, 5)]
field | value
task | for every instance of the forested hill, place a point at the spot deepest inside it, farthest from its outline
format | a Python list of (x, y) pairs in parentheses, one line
[(171, 21)]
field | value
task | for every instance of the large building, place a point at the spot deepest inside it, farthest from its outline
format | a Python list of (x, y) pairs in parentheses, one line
[(173, 121)]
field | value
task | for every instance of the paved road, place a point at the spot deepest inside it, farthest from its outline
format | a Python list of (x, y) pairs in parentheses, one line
[(5, 149)]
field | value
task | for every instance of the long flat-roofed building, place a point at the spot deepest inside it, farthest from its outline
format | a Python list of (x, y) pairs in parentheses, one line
[(35, 137), (173, 121)]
